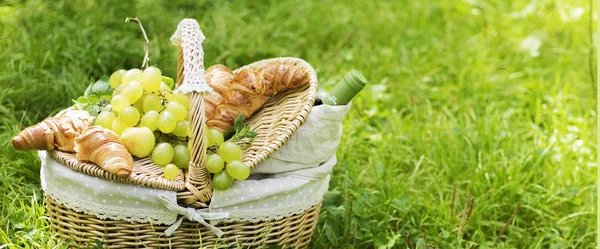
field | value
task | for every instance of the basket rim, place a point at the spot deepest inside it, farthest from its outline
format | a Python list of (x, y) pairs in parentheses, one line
[(306, 107)]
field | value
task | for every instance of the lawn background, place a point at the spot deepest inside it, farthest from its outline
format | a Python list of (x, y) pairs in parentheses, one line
[(485, 99)]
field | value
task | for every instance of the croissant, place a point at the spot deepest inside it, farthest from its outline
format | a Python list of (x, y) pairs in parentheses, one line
[(248, 90), (102, 147), (219, 77), (54, 132)]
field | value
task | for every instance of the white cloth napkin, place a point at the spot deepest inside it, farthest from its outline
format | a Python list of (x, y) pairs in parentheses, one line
[(292, 179), (313, 143)]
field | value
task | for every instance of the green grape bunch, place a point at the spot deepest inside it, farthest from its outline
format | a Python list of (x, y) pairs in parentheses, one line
[(152, 121), (224, 157)]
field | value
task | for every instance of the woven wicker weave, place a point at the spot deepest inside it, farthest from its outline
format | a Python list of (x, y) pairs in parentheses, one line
[(145, 173), (294, 231), (275, 123)]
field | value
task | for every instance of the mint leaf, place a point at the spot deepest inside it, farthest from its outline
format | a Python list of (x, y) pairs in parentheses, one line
[(251, 134), (243, 134), (101, 86), (228, 134), (238, 124)]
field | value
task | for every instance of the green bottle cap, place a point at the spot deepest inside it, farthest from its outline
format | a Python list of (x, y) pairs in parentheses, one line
[(345, 90), (355, 80)]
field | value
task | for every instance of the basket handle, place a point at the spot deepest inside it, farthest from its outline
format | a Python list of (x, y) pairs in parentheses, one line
[(190, 79)]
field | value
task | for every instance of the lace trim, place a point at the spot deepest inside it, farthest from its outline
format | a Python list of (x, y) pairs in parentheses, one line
[(268, 214), (158, 217), (194, 87), (189, 37)]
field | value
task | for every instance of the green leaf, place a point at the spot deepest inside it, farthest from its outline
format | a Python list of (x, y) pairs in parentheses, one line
[(88, 90), (101, 86), (251, 134), (169, 81), (229, 133), (238, 124), (82, 100), (98, 244), (332, 198), (109, 92), (93, 98), (91, 109)]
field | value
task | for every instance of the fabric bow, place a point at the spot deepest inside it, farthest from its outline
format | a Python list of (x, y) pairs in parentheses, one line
[(197, 215)]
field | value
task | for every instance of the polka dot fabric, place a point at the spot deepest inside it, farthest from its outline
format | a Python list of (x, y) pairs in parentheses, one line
[(104, 198)]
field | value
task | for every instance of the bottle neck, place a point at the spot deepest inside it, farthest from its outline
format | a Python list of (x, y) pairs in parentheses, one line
[(352, 83)]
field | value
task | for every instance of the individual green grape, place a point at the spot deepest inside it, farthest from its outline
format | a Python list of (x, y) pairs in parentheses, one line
[(167, 122), (139, 104), (116, 77), (132, 75), (165, 90), (130, 115), (150, 120), (170, 172), (181, 158), (163, 154), (238, 170), (164, 87), (119, 102), (118, 90), (153, 102), (222, 180), (106, 108), (181, 99), (133, 91), (105, 119), (177, 109), (151, 79), (230, 151), (214, 163), (118, 125), (181, 128), (214, 137)]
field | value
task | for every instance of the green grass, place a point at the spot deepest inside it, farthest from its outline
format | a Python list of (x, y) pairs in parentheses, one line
[(454, 107)]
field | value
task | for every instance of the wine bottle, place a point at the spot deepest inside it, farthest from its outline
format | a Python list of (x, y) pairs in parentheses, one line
[(346, 89)]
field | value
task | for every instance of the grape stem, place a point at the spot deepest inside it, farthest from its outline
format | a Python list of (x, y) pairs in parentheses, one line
[(146, 58)]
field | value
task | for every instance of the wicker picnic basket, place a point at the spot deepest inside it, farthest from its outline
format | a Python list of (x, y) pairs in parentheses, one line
[(275, 123)]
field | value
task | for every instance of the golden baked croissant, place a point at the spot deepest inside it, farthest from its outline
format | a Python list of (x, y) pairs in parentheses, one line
[(248, 90), (102, 147), (54, 132), (219, 77)]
